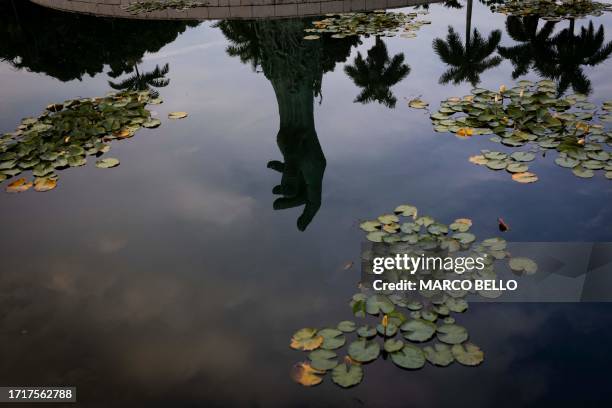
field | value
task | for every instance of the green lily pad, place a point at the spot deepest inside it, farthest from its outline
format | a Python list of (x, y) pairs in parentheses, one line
[(393, 345), (347, 375), (452, 334), (346, 326), (418, 330), (379, 303), (332, 339), (363, 350), (468, 354), (107, 163), (439, 355), (323, 359), (523, 266), (410, 357)]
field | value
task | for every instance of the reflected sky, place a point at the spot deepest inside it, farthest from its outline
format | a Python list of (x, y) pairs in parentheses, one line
[(173, 281)]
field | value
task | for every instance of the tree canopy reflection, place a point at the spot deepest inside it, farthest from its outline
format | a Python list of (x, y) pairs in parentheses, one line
[(67, 46)]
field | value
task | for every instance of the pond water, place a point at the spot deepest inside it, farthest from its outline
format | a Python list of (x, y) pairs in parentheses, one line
[(177, 280)]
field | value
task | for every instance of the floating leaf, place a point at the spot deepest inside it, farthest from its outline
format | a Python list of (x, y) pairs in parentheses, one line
[(452, 334), (581, 172), (406, 210), (306, 339), (323, 359), (439, 355), (363, 350), (19, 186), (525, 177), (417, 103), (379, 303), (107, 163), (346, 326), (43, 184), (347, 375), (523, 266), (418, 330), (370, 226), (393, 345), (311, 37), (332, 339), (177, 115), (468, 354), (410, 357), (303, 373)]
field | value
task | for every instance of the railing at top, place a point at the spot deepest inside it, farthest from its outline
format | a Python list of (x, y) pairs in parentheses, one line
[(230, 9)]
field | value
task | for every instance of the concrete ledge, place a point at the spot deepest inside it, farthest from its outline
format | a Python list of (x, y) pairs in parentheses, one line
[(230, 9)]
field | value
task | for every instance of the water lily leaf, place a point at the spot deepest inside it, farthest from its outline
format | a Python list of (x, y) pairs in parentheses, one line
[(177, 115), (565, 161), (363, 350), (456, 305), (76, 161), (332, 339), (376, 236), (311, 37), (517, 167), (366, 331), (393, 345), (306, 339), (379, 303), (303, 373), (410, 357), (581, 172), (479, 160), (43, 184), (417, 103), (524, 266), (525, 177), (323, 359), (496, 164), (523, 156), (107, 163), (406, 210), (391, 330), (388, 219), (19, 186), (370, 226), (468, 354), (418, 330), (464, 237), (346, 326), (439, 355), (151, 123), (347, 375), (452, 334)]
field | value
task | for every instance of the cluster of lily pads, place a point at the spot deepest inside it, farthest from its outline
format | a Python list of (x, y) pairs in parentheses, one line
[(413, 329), (531, 116), (67, 132), (147, 6), (552, 10), (379, 23)]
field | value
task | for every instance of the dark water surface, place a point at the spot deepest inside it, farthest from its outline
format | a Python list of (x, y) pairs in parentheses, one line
[(172, 280)]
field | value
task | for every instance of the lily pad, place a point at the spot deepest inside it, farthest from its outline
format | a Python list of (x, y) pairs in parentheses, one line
[(347, 375), (439, 355), (364, 350), (418, 330), (468, 354), (452, 334), (410, 357)]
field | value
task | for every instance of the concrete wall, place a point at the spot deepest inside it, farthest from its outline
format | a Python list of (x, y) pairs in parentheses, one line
[(234, 9)]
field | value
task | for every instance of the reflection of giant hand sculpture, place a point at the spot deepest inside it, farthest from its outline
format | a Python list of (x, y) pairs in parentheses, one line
[(302, 173), (295, 68)]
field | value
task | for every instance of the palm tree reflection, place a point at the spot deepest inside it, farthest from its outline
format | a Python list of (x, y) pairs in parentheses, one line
[(467, 62), (377, 74), (560, 58), (143, 81)]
